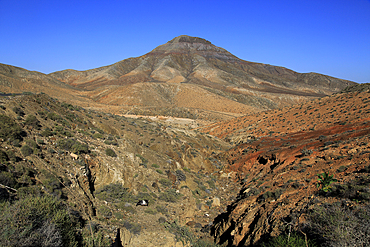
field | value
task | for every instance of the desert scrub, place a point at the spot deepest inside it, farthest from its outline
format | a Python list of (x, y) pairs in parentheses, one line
[(150, 211), (26, 150), (37, 221), (31, 120), (170, 196), (105, 211), (339, 224), (114, 193), (53, 116), (155, 165), (165, 182), (73, 146), (46, 132), (9, 130), (185, 235), (356, 190), (18, 111), (110, 152), (133, 227), (293, 240)]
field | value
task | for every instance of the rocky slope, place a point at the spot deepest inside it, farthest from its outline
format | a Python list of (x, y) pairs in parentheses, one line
[(186, 77), (101, 164), (278, 159), (254, 182)]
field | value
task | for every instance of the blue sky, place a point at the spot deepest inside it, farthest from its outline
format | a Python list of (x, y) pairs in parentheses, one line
[(331, 37)]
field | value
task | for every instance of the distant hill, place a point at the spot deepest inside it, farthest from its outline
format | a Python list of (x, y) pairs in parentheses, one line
[(186, 77)]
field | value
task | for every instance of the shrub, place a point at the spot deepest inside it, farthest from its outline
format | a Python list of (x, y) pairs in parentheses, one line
[(165, 182), (324, 181), (26, 150), (134, 228), (31, 120), (98, 136), (340, 224), (3, 157), (80, 148), (292, 240), (37, 221), (47, 132), (32, 144), (18, 111), (53, 116), (110, 152), (105, 211), (114, 193), (10, 130), (7, 178), (155, 165), (169, 196), (159, 171)]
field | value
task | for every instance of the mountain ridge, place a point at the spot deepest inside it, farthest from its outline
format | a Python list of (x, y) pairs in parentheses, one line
[(155, 79)]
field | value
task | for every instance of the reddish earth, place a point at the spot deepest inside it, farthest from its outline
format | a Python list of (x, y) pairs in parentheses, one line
[(279, 156)]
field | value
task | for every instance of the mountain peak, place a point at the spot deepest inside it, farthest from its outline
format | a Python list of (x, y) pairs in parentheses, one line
[(189, 39)]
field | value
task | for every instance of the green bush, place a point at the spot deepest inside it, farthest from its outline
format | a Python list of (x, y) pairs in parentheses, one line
[(53, 116), (47, 132), (114, 193), (37, 221), (110, 152), (32, 144), (98, 136), (3, 157), (26, 150), (324, 181), (31, 120), (79, 148), (10, 130), (105, 211), (73, 146), (8, 179), (292, 240), (165, 182)]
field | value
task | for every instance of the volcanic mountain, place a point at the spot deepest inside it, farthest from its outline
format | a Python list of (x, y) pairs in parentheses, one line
[(190, 77)]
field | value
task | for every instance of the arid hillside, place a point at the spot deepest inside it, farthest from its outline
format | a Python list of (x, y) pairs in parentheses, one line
[(187, 77), (245, 182), (96, 167), (279, 157)]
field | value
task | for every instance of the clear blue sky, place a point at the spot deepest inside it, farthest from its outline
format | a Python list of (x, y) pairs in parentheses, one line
[(331, 37)]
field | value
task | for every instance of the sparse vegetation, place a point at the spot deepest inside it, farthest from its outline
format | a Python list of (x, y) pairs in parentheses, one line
[(110, 152)]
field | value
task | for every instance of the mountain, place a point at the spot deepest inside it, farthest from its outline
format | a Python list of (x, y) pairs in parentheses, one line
[(190, 77)]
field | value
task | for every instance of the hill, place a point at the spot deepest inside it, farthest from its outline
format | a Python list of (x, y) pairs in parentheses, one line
[(95, 166), (187, 77), (280, 158)]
